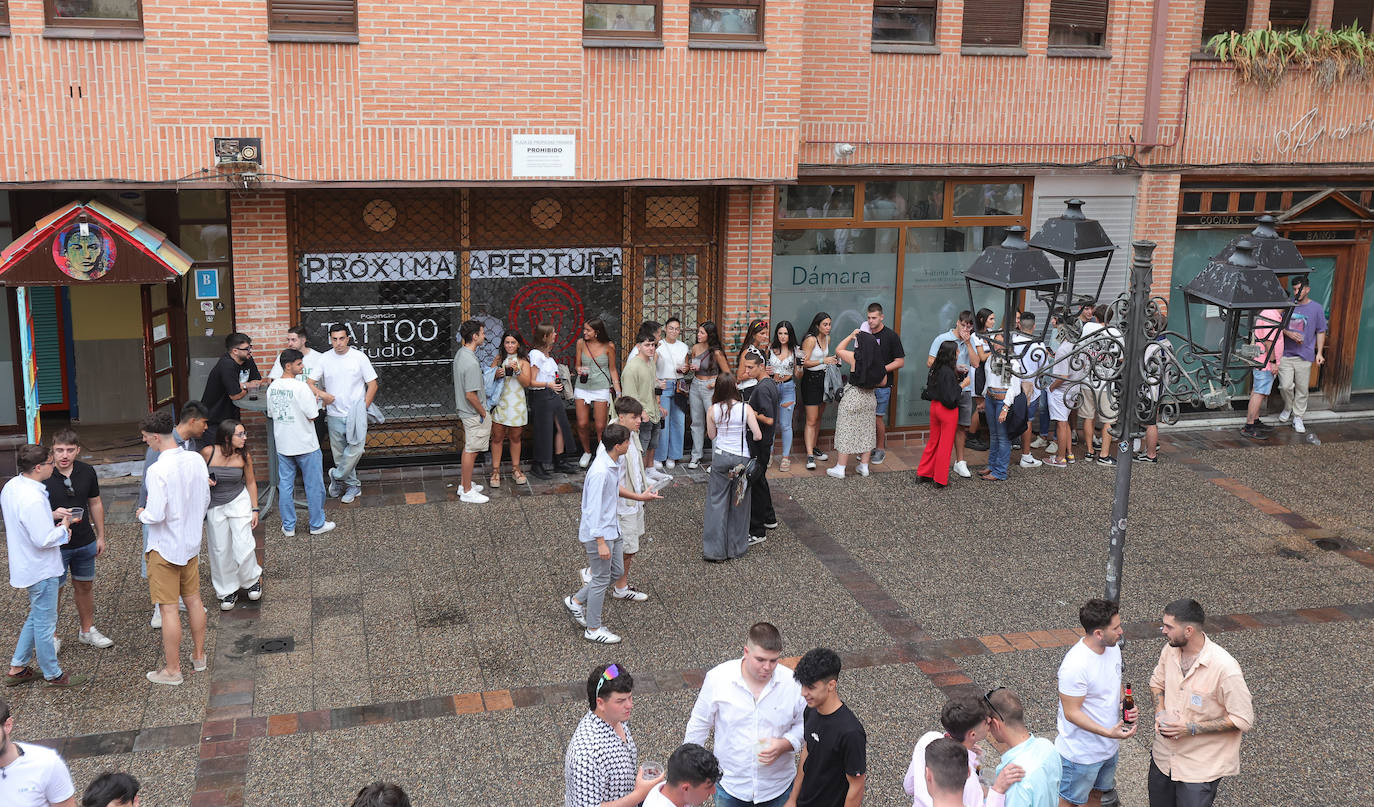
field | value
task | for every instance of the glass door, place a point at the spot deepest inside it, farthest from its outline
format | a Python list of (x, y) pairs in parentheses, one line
[(1362, 377), (161, 342)]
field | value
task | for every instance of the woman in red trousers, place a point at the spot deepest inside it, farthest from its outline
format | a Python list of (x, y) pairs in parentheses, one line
[(943, 391)]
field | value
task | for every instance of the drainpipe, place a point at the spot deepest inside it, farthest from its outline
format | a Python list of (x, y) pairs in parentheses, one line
[(749, 256), (1155, 75)]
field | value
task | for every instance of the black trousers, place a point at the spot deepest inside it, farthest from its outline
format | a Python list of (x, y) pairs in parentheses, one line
[(1165, 792), (548, 412), (760, 496)]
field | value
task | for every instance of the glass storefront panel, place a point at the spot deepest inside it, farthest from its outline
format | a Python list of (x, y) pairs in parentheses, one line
[(205, 242), (1362, 379), (886, 201), (989, 199), (933, 294), (202, 204), (816, 202)]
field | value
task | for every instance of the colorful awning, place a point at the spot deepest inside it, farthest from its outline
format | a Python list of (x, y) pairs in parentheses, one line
[(91, 242)]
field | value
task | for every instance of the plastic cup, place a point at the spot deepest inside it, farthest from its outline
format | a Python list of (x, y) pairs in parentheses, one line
[(651, 768), (77, 513)]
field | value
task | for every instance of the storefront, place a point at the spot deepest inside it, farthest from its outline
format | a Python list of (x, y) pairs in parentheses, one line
[(403, 268)]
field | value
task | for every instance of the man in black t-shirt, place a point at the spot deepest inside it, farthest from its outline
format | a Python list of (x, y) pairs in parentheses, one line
[(74, 484), (230, 379), (893, 358), (764, 398), (834, 761)]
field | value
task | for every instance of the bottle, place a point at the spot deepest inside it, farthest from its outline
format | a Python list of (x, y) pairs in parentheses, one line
[(1127, 704)]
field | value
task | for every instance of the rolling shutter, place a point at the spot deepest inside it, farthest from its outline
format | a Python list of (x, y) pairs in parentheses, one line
[(993, 22), (325, 16), (1288, 14), (1219, 16), (1345, 12), (1080, 15), (1110, 200), (47, 344), (4, 12)]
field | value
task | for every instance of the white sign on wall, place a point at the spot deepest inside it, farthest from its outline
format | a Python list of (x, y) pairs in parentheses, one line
[(536, 155), (595, 262)]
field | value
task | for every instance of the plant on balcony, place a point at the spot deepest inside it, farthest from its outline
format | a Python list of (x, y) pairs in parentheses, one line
[(1263, 55)]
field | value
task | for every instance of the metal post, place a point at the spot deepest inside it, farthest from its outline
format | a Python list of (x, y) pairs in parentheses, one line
[(1136, 341)]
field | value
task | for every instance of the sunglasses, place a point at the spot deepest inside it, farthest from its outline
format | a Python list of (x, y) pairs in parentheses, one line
[(612, 672), (67, 483), (987, 698)]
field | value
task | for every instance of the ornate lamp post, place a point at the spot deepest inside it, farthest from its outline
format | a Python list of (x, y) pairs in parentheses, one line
[(1013, 267), (1074, 238)]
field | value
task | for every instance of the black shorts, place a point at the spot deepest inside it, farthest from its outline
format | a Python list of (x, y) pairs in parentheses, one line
[(812, 388)]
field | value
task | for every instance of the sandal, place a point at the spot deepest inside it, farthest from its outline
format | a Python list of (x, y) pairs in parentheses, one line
[(495, 481), (520, 478)]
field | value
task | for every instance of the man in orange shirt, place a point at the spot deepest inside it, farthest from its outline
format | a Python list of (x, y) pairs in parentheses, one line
[(1202, 706)]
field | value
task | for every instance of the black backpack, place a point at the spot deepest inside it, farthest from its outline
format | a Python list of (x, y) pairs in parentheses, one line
[(869, 369)]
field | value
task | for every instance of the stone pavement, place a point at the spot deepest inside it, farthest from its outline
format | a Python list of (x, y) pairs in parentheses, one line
[(423, 640)]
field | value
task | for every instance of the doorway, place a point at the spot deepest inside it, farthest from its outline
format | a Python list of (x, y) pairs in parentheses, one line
[(1340, 283)]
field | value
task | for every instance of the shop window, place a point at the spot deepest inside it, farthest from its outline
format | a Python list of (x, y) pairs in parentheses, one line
[(1222, 16), (816, 201), (670, 289), (994, 23), (622, 21), (1192, 203), (904, 22), (918, 200), (725, 22), (312, 20), (1353, 12), (94, 14), (1286, 15), (993, 199), (1078, 23)]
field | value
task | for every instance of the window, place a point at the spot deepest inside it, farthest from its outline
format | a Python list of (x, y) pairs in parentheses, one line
[(739, 21), (4, 17), (906, 22), (1221, 16), (94, 13), (1288, 14), (1078, 23), (312, 20), (1345, 12), (622, 20), (995, 23)]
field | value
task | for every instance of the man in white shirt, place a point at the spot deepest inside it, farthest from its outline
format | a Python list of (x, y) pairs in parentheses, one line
[(670, 364), (599, 533), (755, 708), (35, 555), (291, 406), (310, 374), (31, 775), (690, 779), (1091, 727), (347, 374), (1032, 357), (178, 496)]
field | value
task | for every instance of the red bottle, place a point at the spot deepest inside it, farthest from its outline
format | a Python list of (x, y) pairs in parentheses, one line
[(1127, 704)]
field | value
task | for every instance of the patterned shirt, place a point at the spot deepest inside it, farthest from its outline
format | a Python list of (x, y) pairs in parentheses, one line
[(598, 766)]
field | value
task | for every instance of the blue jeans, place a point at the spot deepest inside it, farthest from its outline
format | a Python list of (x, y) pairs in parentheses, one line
[(1043, 404), (787, 413), (674, 426), (999, 447), (1079, 779), (312, 471), (724, 799), (346, 454), (35, 638), (80, 562)]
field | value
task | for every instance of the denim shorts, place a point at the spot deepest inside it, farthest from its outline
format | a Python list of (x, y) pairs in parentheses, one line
[(1262, 382), (884, 395), (1077, 779), (80, 562)]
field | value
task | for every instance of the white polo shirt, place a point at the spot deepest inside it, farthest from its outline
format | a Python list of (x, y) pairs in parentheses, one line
[(38, 778)]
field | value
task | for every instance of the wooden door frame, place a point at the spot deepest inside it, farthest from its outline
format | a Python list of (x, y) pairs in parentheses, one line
[(176, 324), (1347, 298)]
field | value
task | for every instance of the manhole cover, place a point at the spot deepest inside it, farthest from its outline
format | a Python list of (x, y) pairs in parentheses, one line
[(283, 644), (1328, 544)]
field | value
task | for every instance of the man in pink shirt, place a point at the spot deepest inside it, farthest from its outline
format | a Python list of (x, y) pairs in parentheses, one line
[(966, 720)]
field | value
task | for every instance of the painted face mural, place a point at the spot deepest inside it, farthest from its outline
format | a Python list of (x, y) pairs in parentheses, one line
[(84, 251)]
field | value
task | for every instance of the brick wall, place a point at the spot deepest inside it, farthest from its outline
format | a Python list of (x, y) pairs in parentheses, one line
[(747, 258)]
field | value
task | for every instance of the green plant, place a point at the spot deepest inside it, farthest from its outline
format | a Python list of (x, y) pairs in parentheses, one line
[(1263, 55)]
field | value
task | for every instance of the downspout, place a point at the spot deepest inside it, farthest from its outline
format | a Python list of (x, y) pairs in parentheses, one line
[(1154, 79), (749, 258)]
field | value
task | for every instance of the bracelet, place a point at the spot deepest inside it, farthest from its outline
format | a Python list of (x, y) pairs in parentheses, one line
[(1192, 729), (256, 510)]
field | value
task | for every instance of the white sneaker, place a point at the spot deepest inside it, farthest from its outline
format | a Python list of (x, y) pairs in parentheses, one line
[(156, 622), (586, 575), (863, 469), (658, 466), (289, 533), (94, 637), (1285, 415), (351, 494), (56, 645), (600, 635), (835, 471), (1298, 427), (629, 593), (1052, 448), (670, 464), (961, 468), (1027, 461), (821, 456), (585, 461), (574, 607), (1039, 442), (473, 497), (325, 527)]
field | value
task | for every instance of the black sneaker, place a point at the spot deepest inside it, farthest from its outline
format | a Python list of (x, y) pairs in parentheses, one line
[(228, 603), (255, 591), (976, 444), (1253, 432), (1108, 460), (1262, 426), (1143, 458)]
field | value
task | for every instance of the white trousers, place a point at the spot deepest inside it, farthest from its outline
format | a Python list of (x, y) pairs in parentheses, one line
[(233, 562)]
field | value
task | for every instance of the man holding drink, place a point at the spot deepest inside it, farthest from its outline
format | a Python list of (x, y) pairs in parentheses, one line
[(74, 485), (599, 766)]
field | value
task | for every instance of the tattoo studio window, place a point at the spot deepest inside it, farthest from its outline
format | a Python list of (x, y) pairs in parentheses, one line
[(624, 21), (108, 14), (725, 22), (904, 22)]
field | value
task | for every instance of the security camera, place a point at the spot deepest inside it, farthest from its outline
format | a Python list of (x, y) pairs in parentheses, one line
[(843, 150)]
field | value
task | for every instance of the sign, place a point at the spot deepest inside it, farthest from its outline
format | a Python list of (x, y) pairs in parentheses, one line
[(83, 251), (373, 267), (207, 284), (1308, 130), (28, 360), (533, 155), (600, 263)]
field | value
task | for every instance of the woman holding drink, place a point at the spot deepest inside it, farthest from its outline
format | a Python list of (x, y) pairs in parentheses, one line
[(511, 413), (598, 383), (548, 415)]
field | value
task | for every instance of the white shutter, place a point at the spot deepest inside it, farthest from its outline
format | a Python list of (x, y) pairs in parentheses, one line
[(1110, 200)]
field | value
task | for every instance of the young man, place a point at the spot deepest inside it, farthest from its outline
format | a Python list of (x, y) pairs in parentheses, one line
[(381, 794), (1064, 392), (469, 392), (690, 779), (1095, 402), (310, 372), (188, 432), (33, 775), (946, 773), (1202, 706), (178, 496), (74, 484), (635, 489), (1032, 357), (893, 358), (599, 534), (1035, 756), (639, 380), (35, 556), (347, 374), (766, 400), (292, 407), (671, 362), (1269, 336), (232, 377), (599, 767), (964, 718), (1304, 344), (834, 760), (111, 789), (968, 346), (1091, 724), (756, 710)]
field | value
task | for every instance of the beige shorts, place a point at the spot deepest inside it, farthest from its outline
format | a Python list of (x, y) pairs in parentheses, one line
[(631, 529), (167, 581), (476, 434), (1096, 405)]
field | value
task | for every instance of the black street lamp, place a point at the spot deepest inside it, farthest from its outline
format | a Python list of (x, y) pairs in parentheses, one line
[(1013, 267), (1074, 238), (1271, 250)]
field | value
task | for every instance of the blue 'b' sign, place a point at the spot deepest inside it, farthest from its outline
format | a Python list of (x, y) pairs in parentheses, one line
[(207, 284)]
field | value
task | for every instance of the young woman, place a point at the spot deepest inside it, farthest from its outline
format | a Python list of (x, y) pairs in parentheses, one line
[(785, 369), (755, 337), (708, 362), (548, 415), (983, 322), (671, 361), (725, 530), (232, 516), (815, 354), (511, 413), (856, 427), (943, 390), (598, 383)]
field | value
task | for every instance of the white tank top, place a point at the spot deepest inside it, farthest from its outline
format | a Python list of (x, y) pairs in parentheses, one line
[(817, 353), (730, 430)]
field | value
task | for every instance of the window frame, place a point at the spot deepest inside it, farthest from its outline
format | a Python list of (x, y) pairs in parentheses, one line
[(1203, 36), (4, 17), (718, 38), (994, 48), (1054, 49), (612, 38), (92, 26), (907, 5), (1306, 20), (310, 32)]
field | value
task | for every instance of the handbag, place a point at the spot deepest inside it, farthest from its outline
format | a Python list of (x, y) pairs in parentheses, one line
[(834, 383), (682, 390)]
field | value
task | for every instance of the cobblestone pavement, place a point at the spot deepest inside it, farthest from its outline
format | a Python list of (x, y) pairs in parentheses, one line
[(430, 646)]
